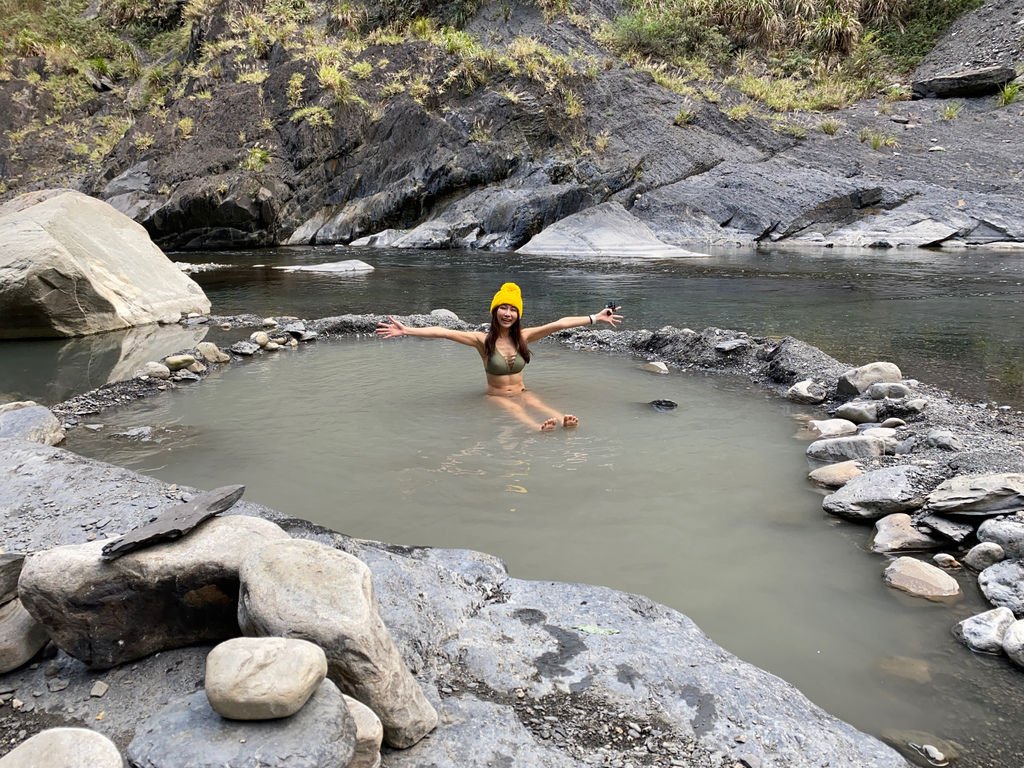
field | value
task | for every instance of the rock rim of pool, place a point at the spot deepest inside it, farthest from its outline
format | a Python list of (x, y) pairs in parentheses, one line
[(540, 672), (604, 700)]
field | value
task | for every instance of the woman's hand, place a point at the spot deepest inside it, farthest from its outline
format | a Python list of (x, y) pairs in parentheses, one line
[(607, 315), (391, 328)]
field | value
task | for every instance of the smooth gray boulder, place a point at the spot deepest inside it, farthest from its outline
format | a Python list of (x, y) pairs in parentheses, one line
[(369, 734), (834, 449), (859, 412), (27, 420), (189, 734), (73, 265), (944, 439), (607, 230), (11, 564), (178, 361), (1002, 584), (211, 353), (21, 636), (836, 475), (262, 678), (878, 493), (64, 748), (832, 427), (857, 380), (180, 593), (983, 495), (154, 370), (982, 555), (305, 589), (807, 391), (1013, 642), (896, 533), (1007, 532), (983, 633), (920, 579), (882, 390)]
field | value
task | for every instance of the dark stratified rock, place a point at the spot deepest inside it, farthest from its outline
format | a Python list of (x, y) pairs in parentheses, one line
[(495, 218), (175, 522), (189, 733), (169, 595), (973, 82), (948, 529), (979, 495)]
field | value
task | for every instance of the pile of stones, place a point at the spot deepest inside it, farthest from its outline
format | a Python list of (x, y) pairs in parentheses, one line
[(875, 463), (304, 673)]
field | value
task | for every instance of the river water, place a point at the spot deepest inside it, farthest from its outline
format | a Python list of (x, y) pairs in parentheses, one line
[(705, 508), (952, 319)]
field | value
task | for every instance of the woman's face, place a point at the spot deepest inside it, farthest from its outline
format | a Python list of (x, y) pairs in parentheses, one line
[(506, 315)]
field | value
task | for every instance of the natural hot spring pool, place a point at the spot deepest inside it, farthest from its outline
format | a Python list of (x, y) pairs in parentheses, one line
[(705, 508)]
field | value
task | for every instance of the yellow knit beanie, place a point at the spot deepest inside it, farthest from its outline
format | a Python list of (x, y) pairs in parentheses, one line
[(509, 294)]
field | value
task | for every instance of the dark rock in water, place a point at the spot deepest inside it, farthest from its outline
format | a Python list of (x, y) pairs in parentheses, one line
[(176, 522), (950, 529), (246, 348), (975, 82), (299, 331), (144, 434), (663, 405)]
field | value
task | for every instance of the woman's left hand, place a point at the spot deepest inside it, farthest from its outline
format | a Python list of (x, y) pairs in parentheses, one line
[(391, 328), (607, 315)]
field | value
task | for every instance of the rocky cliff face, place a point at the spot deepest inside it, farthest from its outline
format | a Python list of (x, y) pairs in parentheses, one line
[(257, 136)]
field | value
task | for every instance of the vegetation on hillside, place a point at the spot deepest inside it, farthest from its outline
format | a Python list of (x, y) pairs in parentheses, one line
[(781, 55)]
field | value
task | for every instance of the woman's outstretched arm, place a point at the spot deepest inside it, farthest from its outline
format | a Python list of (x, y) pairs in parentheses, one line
[(606, 315), (392, 328)]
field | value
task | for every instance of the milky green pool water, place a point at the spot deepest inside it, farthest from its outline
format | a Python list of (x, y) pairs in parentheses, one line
[(705, 508)]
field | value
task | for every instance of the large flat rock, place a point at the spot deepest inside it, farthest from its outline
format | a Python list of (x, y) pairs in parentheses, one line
[(72, 265), (486, 647), (606, 230)]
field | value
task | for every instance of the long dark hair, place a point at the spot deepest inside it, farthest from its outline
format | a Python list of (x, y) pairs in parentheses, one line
[(514, 332)]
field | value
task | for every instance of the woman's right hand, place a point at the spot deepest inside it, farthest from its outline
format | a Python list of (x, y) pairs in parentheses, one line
[(391, 328)]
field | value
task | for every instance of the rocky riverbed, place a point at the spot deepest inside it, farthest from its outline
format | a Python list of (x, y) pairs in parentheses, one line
[(555, 698)]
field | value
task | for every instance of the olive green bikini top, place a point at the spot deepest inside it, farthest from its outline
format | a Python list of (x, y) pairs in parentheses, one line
[(499, 365)]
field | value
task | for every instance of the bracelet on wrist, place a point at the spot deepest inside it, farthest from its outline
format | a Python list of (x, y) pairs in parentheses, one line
[(592, 320)]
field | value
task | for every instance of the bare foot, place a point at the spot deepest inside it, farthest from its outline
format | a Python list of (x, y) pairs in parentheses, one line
[(569, 421), (548, 425)]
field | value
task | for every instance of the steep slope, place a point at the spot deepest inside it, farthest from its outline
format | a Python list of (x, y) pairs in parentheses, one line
[(325, 125)]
